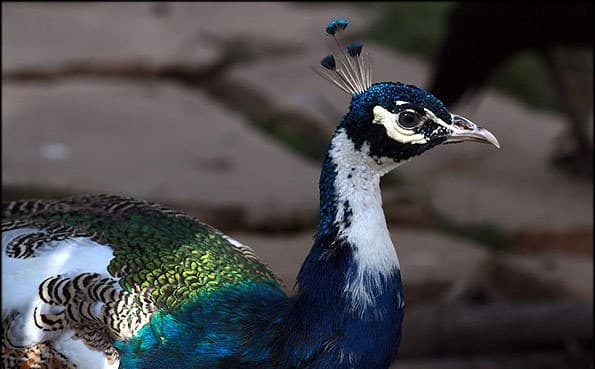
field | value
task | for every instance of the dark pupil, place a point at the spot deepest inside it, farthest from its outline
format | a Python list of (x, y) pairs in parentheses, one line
[(407, 119)]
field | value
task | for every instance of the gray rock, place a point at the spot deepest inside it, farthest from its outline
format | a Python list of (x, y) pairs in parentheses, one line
[(281, 22), (50, 35), (550, 275), (57, 35), (430, 262), (515, 187), (153, 141), (291, 86)]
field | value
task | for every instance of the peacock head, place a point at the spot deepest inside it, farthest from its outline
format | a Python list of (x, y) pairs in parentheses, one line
[(392, 120)]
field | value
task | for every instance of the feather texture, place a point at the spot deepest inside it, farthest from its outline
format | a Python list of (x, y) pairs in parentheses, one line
[(159, 260)]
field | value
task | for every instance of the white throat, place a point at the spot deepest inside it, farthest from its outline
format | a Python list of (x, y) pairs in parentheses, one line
[(357, 184)]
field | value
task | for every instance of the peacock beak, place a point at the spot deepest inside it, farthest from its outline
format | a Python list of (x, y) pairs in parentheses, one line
[(465, 130)]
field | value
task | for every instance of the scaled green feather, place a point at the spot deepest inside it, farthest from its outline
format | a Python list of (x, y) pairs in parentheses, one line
[(169, 254)]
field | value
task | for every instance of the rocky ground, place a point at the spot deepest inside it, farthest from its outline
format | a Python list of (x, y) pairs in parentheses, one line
[(213, 108)]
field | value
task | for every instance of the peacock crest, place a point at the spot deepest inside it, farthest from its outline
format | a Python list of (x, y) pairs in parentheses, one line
[(347, 67)]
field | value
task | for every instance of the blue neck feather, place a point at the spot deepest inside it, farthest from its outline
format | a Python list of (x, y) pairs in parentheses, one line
[(327, 229), (322, 308)]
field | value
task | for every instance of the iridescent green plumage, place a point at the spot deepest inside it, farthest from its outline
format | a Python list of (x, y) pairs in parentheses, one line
[(154, 262), (172, 256)]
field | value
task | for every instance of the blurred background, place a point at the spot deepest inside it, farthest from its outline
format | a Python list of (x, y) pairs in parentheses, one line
[(213, 108)]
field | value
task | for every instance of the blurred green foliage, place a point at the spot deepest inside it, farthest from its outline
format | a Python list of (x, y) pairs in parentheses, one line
[(492, 236), (302, 143), (415, 27)]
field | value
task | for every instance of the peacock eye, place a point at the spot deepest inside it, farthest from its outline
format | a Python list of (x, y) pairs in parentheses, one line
[(409, 119)]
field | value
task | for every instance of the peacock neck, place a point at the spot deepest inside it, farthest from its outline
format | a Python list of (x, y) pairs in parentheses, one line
[(350, 280), (351, 213)]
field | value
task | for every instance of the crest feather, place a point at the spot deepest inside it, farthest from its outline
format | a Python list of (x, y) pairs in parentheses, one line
[(346, 67)]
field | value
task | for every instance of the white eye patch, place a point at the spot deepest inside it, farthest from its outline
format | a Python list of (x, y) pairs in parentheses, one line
[(393, 130)]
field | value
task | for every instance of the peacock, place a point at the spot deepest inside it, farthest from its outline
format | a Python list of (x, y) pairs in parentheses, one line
[(104, 281)]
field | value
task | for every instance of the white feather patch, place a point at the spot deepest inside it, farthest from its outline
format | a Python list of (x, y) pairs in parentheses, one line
[(233, 241), (21, 279), (393, 130), (375, 253), (80, 355)]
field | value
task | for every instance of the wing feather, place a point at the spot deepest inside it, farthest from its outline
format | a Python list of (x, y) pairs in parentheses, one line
[(161, 259)]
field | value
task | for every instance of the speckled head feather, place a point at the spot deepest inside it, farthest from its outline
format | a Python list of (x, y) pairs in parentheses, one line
[(396, 121)]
